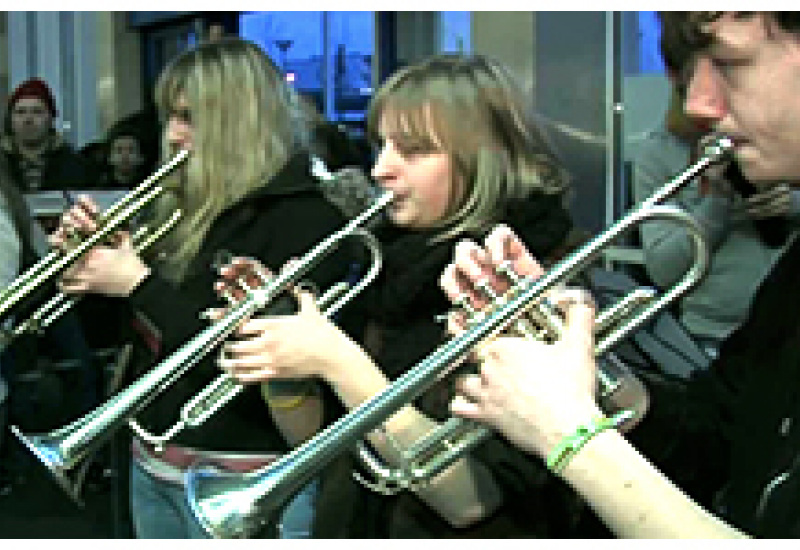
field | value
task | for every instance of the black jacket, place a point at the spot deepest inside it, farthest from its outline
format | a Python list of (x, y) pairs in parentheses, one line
[(738, 423), (281, 220), (402, 306)]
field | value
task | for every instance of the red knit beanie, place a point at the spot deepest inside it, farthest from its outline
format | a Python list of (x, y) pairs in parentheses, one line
[(34, 87)]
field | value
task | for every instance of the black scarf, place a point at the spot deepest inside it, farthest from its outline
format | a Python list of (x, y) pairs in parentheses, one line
[(408, 285)]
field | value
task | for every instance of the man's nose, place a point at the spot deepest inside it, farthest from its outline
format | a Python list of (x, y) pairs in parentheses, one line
[(705, 100)]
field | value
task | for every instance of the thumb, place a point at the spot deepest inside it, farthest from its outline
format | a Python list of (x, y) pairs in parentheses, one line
[(123, 240), (306, 300)]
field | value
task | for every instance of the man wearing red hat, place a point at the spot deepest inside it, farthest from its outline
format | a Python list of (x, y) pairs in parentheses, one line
[(39, 158)]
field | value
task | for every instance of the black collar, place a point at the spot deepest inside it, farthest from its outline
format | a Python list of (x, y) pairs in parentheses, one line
[(294, 177)]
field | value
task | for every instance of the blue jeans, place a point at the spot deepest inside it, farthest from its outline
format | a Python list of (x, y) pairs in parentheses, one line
[(160, 510)]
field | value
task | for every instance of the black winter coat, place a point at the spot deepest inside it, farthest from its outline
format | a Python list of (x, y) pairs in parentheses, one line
[(737, 426), (281, 220)]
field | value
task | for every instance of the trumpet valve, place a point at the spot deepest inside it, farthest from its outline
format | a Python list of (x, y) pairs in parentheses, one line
[(506, 269), (486, 289), (464, 304)]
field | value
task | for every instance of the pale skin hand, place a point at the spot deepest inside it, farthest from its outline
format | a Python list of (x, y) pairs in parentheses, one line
[(533, 392), (499, 395), (110, 270), (537, 393), (473, 264), (296, 423), (537, 405), (291, 346), (283, 346)]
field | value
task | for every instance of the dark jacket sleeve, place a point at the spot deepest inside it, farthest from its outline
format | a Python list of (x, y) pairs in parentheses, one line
[(287, 231), (172, 312)]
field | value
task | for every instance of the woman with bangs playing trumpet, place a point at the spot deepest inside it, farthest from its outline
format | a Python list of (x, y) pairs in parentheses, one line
[(460, 153), (247, 189)]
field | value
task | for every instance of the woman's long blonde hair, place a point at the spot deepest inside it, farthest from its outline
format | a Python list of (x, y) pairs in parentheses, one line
[(246, 124), (471, 108)]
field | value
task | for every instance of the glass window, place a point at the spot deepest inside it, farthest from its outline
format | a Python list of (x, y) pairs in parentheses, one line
[(455, 31), (645, 86), (649, 33), (336, 78)]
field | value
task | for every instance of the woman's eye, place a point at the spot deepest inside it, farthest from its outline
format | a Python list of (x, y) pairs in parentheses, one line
[(183, 115), (413, 148)]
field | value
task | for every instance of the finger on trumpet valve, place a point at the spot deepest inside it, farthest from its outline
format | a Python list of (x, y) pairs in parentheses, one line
[(506, 269), (454, 320), (207, 314), (227, 293), (262, 273), (243, 284), (463, 303), (486, 289)]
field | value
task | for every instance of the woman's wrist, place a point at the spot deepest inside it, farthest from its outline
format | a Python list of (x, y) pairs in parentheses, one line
[(340, 358)]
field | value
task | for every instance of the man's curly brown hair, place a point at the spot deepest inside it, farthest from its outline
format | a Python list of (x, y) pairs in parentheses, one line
[(683, 33)]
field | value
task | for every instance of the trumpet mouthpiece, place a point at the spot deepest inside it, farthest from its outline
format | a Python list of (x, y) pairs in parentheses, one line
[(717, 146)]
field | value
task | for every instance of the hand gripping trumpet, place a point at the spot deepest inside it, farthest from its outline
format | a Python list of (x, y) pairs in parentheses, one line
[(230, 505), (57, 261), (62, 449)]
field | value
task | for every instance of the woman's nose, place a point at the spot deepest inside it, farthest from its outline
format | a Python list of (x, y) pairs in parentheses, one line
[(177, 134), (384, 165)]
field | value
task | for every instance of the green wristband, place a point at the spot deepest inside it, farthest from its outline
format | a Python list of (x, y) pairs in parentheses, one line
[(569, 446)]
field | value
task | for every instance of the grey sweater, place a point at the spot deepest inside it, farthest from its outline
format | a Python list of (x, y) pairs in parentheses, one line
[(739, 259)]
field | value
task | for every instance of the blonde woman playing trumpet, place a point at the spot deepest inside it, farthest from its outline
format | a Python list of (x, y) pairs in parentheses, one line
[(247, 189)]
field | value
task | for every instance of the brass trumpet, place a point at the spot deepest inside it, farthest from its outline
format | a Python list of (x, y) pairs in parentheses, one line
[(57, 261), (232, 505), (62, 449)]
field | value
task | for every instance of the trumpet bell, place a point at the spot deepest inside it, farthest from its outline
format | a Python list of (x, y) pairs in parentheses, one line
[(209, 490), (48, 450)]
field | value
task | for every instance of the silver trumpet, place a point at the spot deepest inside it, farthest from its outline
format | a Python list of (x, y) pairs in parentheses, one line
[(63, 449), (59, 304), (230, 505), (57, 261)]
